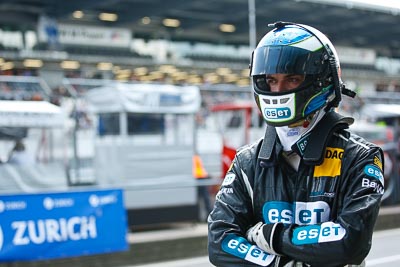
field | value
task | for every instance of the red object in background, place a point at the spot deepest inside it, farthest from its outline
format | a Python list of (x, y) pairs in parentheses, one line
[(228, 154), (229, 150)]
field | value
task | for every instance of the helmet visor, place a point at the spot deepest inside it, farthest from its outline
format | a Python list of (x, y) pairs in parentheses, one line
[(286, 59), (261, 85)]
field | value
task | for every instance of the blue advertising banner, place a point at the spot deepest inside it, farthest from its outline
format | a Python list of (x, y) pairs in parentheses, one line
[(57, 225)]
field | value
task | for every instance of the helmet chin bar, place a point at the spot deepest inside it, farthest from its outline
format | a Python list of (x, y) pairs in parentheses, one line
[(278, 110)]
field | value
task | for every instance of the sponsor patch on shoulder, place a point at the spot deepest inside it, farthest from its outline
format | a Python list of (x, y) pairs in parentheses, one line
[(374, 172), (229, 178), (378, 162)]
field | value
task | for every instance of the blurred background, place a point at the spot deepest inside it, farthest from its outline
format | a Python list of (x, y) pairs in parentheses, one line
[(154, 96)]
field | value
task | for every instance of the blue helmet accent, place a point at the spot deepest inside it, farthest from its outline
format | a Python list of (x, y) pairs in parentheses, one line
[(281, 36), (318, 101)]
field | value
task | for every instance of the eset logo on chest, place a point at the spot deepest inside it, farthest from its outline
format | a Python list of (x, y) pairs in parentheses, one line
[(301, 213), (312, 218)]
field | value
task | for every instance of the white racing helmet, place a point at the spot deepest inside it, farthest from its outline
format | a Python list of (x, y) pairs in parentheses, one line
[(296, 49)]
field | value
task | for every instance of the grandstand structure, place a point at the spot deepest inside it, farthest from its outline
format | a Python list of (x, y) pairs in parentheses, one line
[(207, 43)]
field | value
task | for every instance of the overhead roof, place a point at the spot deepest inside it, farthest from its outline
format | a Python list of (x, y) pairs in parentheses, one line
[(30, 114), (346, 23)]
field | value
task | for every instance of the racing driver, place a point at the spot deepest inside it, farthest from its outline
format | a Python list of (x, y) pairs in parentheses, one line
[(309, 192)]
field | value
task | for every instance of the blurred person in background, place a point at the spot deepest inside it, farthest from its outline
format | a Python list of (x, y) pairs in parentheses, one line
[(309, 192), (20, 155)]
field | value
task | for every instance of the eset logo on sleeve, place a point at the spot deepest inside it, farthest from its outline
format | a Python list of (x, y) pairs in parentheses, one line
[(312, 234), (374, 172), (229, 178), (241, 248)]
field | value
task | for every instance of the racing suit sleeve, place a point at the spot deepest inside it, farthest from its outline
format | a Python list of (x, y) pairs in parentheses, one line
[(228, 222), (345, 239)]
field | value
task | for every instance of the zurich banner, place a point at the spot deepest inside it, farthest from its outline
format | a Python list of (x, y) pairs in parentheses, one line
[(54, 225)]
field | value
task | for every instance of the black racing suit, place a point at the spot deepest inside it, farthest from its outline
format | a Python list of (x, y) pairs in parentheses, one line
[(329, 210)]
